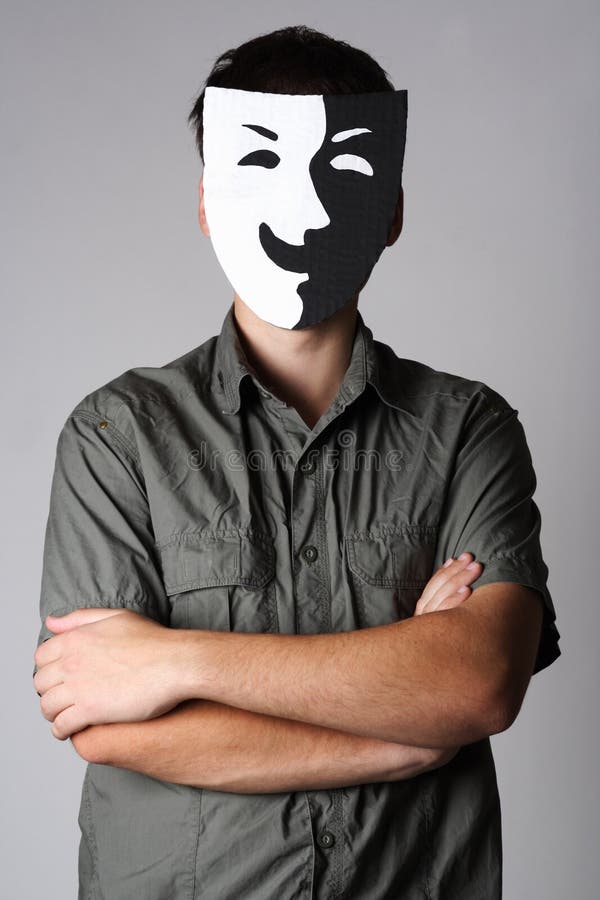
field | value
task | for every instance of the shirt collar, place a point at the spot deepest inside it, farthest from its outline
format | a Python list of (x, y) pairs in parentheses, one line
[(232, 366)]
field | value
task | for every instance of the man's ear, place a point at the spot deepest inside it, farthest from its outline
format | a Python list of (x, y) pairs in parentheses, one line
[(201, 213), (398, 220)]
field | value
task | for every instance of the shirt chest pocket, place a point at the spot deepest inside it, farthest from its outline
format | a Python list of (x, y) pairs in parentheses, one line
[(388, 570), (221, 581)]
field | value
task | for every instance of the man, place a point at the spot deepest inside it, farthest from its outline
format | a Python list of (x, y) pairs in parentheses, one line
[(244, 545)]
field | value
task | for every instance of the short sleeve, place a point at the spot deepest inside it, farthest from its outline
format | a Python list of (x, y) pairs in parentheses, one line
[(99, 545), (490, 511)]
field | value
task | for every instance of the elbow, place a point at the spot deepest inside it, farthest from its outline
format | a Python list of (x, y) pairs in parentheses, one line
[(498, 718), (501, 708), (89, 746)]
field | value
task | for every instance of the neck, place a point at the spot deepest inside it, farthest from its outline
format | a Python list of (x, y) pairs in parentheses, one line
[(304, 368)]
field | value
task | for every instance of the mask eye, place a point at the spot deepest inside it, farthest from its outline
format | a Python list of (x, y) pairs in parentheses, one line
[(265, 158), (350, 161)]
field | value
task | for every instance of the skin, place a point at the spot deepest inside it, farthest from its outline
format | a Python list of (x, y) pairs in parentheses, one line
[(114, 665), (208, 744), (130, 692)]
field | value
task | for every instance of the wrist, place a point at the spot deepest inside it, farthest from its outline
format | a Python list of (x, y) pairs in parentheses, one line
[(188, 662)]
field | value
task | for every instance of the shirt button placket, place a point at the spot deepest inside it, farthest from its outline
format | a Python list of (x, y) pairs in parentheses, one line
[(312, 617)]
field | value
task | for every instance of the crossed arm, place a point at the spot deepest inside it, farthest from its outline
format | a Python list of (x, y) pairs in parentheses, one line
[(259, 712), (215, 746)]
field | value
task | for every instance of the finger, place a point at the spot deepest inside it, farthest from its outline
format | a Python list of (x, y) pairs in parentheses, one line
[(456, 586), (448, 601), (77, 617), (443, 600), (69, 721), (455, 576), (55, 701), (46, 652), (47, 677), (444, 573)]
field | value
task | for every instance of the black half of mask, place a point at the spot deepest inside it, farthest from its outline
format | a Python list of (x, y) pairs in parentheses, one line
[(340, 256)]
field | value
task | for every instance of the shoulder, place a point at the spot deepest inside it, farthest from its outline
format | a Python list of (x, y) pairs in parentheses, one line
[(422, 387), (147, 393)]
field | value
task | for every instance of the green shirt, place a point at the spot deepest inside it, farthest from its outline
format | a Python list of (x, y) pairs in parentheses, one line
[(192, 494)]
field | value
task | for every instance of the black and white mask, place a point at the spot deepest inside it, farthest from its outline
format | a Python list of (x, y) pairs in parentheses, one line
[(300, 192)]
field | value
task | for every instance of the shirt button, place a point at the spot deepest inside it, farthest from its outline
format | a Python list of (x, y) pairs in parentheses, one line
[(308, 466), (103, 424), (326, 839), (310, 553)]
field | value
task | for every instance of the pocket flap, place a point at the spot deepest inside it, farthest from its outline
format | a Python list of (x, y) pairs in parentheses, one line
[(191, 560), (399, 558)]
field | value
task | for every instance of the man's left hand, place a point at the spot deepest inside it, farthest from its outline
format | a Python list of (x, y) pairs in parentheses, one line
[(106, 665)]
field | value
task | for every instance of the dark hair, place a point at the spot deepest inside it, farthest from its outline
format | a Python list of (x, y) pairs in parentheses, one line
[(292, 60)]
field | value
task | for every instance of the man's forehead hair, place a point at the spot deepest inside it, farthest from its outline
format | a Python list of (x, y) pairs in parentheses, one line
[(295, 60)]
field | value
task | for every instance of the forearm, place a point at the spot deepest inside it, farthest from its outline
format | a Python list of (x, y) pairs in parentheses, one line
[(429, 681), (211, 745)]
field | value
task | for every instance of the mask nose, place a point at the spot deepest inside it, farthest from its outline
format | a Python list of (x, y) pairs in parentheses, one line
[(300, 210)]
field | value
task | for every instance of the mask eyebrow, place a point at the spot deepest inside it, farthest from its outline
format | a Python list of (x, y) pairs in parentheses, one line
[(350, 132), (264, 131)]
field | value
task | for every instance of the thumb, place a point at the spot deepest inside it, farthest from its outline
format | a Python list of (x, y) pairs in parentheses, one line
[(78, 617)]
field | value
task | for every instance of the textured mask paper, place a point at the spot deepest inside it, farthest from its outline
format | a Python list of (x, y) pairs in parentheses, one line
[(300, 192)]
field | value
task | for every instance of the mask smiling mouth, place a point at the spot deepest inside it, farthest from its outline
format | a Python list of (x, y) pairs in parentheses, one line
[(292, 257)]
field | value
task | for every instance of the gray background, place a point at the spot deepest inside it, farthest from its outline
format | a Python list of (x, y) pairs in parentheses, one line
[(105, 268)]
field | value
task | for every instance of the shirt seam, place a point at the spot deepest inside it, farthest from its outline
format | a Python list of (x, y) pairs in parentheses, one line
[(103, 604), (96, 418), (509, 554)]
